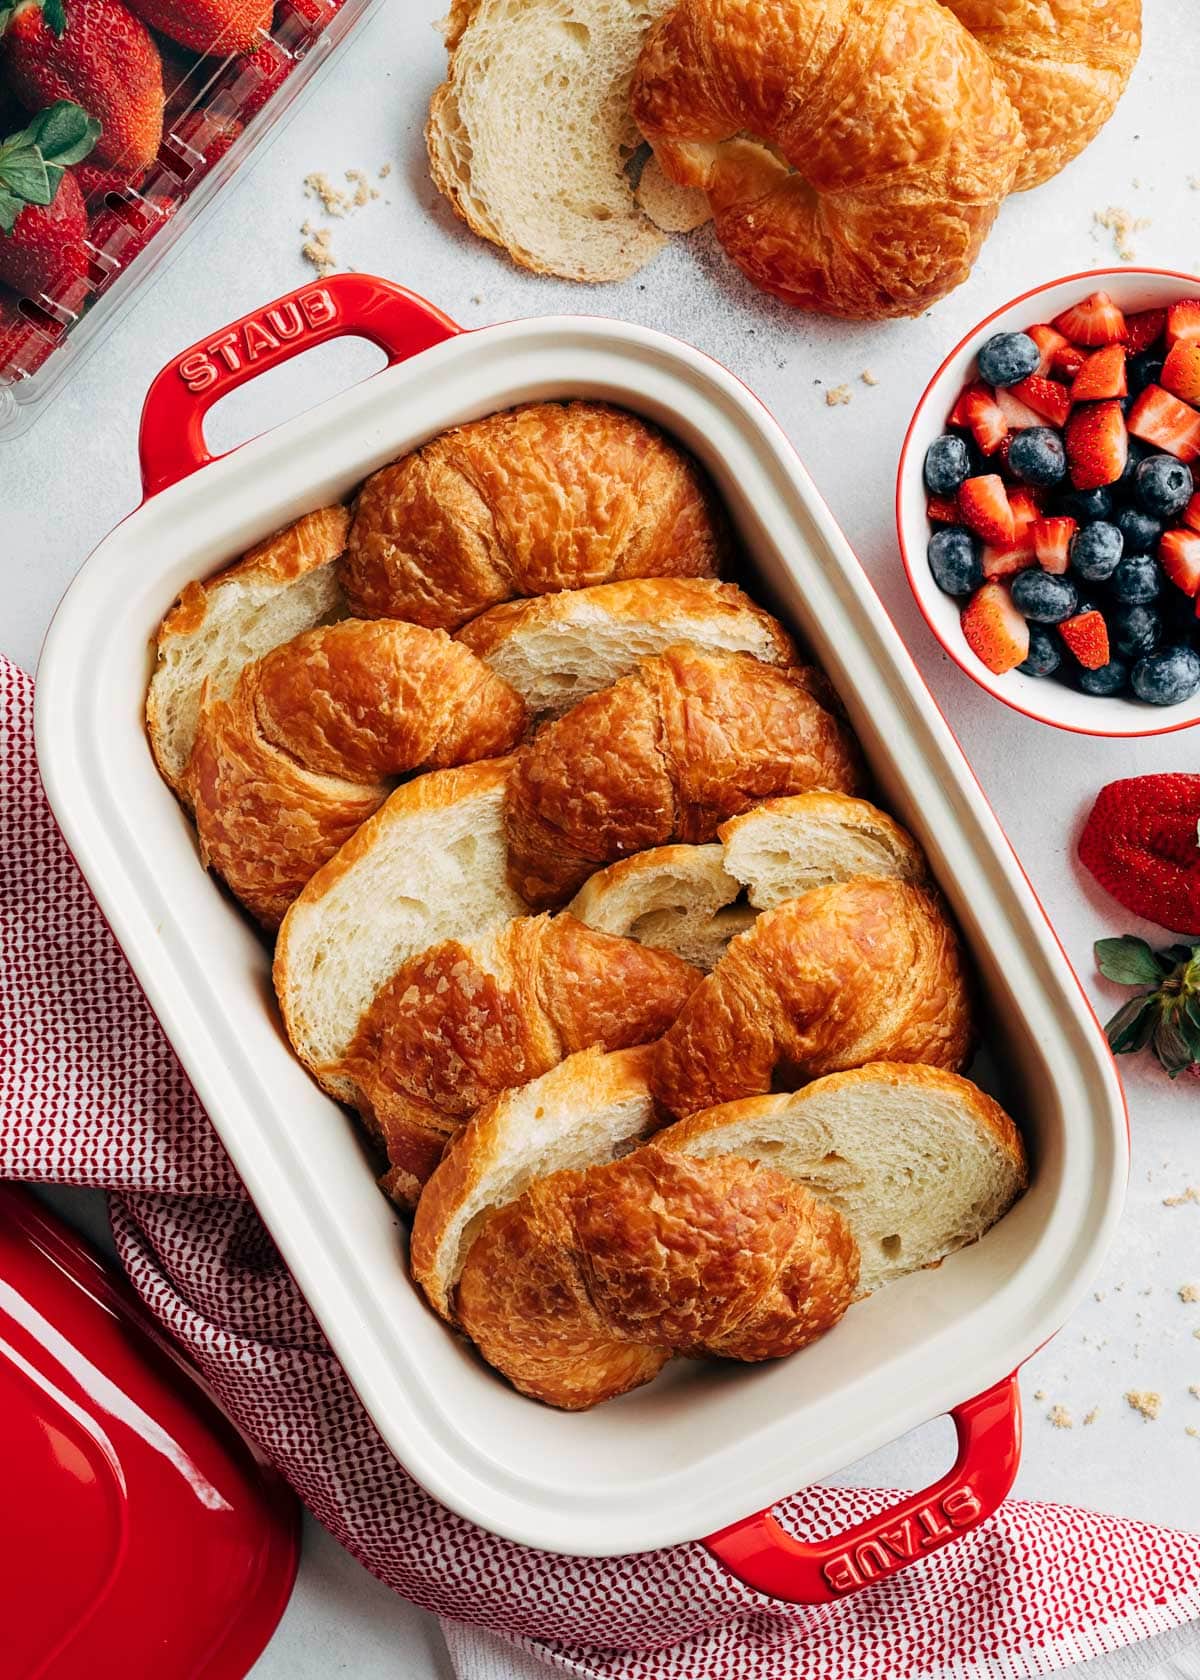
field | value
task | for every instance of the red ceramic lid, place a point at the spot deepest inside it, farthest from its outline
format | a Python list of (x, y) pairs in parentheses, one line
[(141, 1536)]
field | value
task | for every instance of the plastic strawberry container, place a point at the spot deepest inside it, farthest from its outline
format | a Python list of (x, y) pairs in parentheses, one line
[(220, 108)]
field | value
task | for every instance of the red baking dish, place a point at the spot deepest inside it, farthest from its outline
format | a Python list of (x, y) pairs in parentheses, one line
[(142, 1537)]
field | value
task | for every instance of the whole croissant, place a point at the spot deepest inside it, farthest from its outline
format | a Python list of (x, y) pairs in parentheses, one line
[(586, 1285), (312, 738), (541, 498), (854, 152), (667, 753), (866, 970), (458, 1024)]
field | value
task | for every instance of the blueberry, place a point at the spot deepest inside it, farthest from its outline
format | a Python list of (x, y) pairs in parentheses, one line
[(1008, 357), (1096, 549), (1037, 455), (1163, 485), (1135, 630), (1086, 505), (1143, 369), (1140, 531), (1045, 653), (1044, 598), (1108, 680), (947, 464), (1136, 580), (954, 561), (1167, 677)]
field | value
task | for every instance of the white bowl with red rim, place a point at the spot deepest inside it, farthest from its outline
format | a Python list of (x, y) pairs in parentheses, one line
[(1043, 698)]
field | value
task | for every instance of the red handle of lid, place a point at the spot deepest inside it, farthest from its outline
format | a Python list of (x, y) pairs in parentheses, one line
[(171, 443), (760, 1552)]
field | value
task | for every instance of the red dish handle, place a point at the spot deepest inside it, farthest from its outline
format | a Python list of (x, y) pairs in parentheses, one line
[(172, 445), (760, 1552)]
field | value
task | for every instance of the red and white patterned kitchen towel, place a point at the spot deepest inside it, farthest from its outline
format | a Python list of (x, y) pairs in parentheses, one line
[(90, 1093)]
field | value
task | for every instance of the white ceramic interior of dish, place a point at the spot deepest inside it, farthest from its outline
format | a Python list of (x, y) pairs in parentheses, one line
[(705, 1444), (1053, 702)]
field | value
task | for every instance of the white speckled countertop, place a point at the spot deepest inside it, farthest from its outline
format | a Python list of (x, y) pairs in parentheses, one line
[(1137, 1332)]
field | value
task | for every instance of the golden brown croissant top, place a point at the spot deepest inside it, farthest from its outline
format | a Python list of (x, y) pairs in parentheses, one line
[(585, 1285), (854, 152), (866, 970), (545, 497), (667, 753), (457, 1024), (1064, 63), (310, 741)]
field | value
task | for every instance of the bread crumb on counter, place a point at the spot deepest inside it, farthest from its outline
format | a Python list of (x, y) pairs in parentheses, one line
[(1194, 1390), (1039, 1394), (335, 201), (867, 377), (1122, 224), (317, 249), (385, 169), (837, 395), (1144, 1400), (1189, 1292), (1192, 1431), (1060, 1417), (1090, 1417), (1191, 1194)]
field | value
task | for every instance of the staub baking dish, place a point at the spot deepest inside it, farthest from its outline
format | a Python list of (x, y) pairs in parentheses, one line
[(696, 1451)]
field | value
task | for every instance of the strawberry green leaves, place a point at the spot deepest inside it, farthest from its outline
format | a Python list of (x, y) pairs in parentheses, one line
[(54, 12), (32, 162), (1166, 1018)]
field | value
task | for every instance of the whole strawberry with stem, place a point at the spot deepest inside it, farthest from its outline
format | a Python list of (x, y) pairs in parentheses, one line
[(97, 54), (43, 221), (209, 26), (23, 345), (1165, 1019)]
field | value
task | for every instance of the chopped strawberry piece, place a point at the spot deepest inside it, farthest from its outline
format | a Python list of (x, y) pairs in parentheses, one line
[(1097, 445), (1096, 320), (1181, 371), (1144, 329), (1052, 543), (1026, 508), (1183, 321), (1087, 637), (1102, 375), (994, 629), (985, 509), (1048, 342), (1016, 413), (1179, 552), (1003, 450), (1066, 363), (1161, 419), (1191, 513), (1046, 397), (1007, 562), (943, 510), (959, 415), (988, 426)]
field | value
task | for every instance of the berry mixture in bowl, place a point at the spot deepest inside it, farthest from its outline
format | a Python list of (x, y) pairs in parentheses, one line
[(1062, 508)]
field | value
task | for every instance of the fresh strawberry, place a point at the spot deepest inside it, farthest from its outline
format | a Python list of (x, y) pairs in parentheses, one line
[(1096, 320), (1026, 508), (1102, 375), (1191, 513), (942, 510), (1183, 321), (1052, 543), (95, 182), (97, 54), (23, 345), (988, 426), (1017, 415), (1179, 553), (1066, 363), (1087, 637), (1165, 1019), (260, 76), (983, 503), (1097, 445), (1049, 342), (42, 216), (123, 234), (208, 26), (210, 135), (994, 629), (1140, 844), (1161, 419), (1144, 329), (1046, 397), (1181, 371), (1006, 562)]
